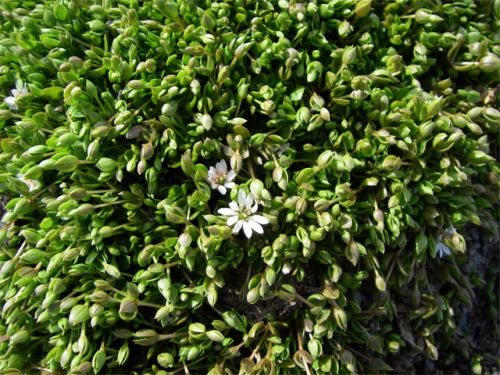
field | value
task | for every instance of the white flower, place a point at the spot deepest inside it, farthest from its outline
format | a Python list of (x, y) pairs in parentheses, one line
[(287, 268), (31, 184), (280, 149), (219, 178), (20, 90), (184, 240), (450, 231), (442, 249), (242, 215)]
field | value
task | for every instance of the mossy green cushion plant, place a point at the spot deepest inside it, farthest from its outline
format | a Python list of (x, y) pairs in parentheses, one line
[(242, 186)]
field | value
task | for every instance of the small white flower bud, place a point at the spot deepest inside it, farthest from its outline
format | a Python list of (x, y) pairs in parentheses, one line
[(185, 240), (287, 268)]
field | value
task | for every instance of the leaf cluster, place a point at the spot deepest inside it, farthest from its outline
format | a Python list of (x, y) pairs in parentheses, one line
[(366, 131)]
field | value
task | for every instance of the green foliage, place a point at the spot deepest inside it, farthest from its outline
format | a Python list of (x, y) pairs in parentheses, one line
[(358, 136)]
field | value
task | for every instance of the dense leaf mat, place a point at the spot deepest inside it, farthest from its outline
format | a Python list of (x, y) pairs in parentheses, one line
[(244, 186)]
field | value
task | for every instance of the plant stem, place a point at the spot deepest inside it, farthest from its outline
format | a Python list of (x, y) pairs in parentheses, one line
[(250, 168), (303, 300)]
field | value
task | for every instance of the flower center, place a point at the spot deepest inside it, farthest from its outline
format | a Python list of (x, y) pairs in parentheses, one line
[(221, 179), (245, 213)]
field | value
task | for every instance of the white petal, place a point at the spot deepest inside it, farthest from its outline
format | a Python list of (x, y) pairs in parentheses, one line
[(222, 166), (230, 175), (249, 201), (214, 185), (230, 185), (237, 227), (241, 198), (222, 189), (32, 185), (231, 220), (450, 231), (247, 229), (226, 212), (256, 227), (259, 219), (254, 208), (228, 150), (11, 102), (443, 250), (234, 206)]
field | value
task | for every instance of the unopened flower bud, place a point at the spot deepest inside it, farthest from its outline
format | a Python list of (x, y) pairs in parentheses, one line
[(185, 240), (287, 268)]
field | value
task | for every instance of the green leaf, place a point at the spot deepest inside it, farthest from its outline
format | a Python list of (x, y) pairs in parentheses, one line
[(60, 11), (380, 282), (79, 314), (305, 175), (315, 348), (234, 320), (352, 253), (99, 360), (106, 165), (49, 42), (297, 94), (421, 243), (67, 163), (208, 21), (212, 295), (215, 336), (362, 8), (33, 256), (53, 93), (123, 353), (340, 317)]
